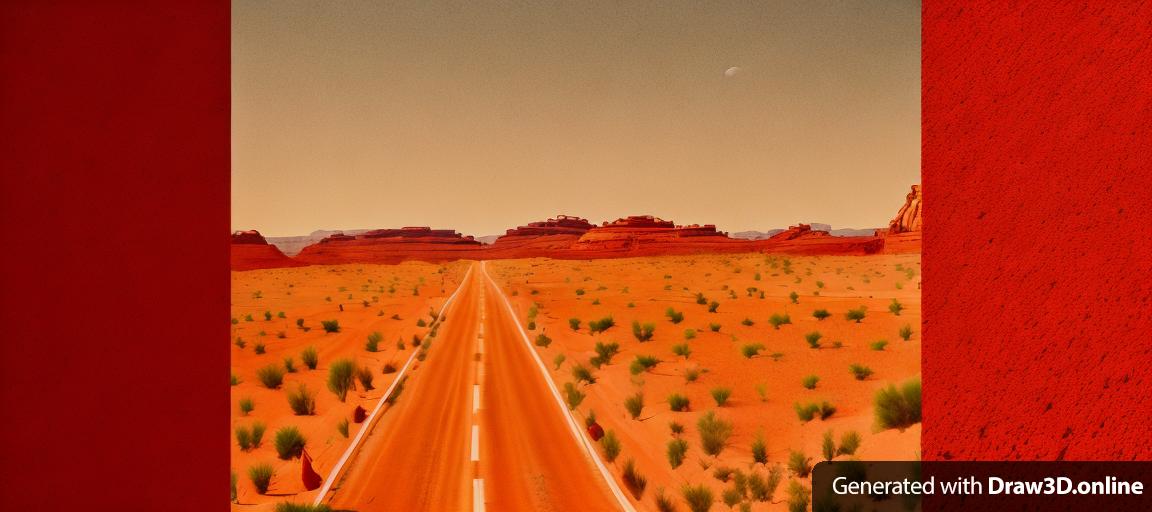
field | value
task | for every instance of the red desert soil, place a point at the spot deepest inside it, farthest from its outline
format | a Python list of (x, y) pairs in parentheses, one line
[(371, 296), (764, 388)]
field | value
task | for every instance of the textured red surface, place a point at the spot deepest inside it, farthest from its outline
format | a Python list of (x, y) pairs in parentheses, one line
[(1037, 155)]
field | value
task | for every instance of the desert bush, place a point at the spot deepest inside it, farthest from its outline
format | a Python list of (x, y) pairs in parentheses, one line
[(856, 314), (664, 502), (301, 507), (898, 407), (604, 353), (674, 316), (302, 402), (813, 339), (300, 323), (642, 364), (261, 477), (416, 340), (732, 497), (309, 358), (281, 334), (698, 497), (574, 323), (289, 443), (895, 307), (799, 464), (246, 406), (747, 322), (342, 427), (582, 374), (691, 374), (258, 347), (906, 332), (421, 323), (721, 395), (778, 319), (827, 410), (271, 376), (798, 497), (559, 360), (341, 378), (678, 402), (364, 375), (240, 343), (244, 437), (821, 314), (611, 446), (580, 291), (675, 428), (601, 325), (388, 368), (860, 371), (542, 340), (689, 334), (879, 345), (794, 297), (676, 449), (713, 306), (633, 480), (849, 443), (267, 316), (330, 325), (643, 332), (762, 390), (573, 395), (635, 404), (248, 318), (714, 433), (806, 412), (682, 349), (723, 473), (373, 343), (828, 446), (289, 365), (751, 350), (590, 419), (234, 380), (759, 449), (714, 327)]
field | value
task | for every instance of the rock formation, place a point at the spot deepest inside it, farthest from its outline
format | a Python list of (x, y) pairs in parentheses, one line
[(904, 233), (544, 238), (250, 251), (389, 246)]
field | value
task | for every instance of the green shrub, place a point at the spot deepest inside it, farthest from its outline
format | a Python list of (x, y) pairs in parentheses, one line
[(574, 323), (813, 339), (580, 291), (341, 378), (342, 427), (373, 344), (309, 357), (849, 443), (675, 428), (301, 507), (234, 492), (828, 447), (388, 368), (364, 375), (762, 390), (714, 433), (246, 406), (642, 364), (906, 332), (244, 437), (821, 314), (751, 350), (559, 360), (713, 306), (895, 307), (289, 365), (826, 410), (898, 408), (794, 297), (302, 402), (674, 316), (240, 343), (698, 497), (330, 325), (721, 395), (747, 322), (856, 314), (582, 374), (714, 327), (267, 316), (289, 443), (258, 347), (879, 345), (299, 323), (573, 395), (611, 446), (678, 402), (261, 477), (859, 371), (759, 449), (271, 376), (248, 318), (676, 449), (664, 502), (542, 340), (798, 497), (691, 374), (635, 404), (778, 319), (643, 332), (806, 412), (689, 334), (732, 497), (234, 380), (682, 349), (601, 325), (799, 464), (604, 353), (421, 323), (810, 381), (633, 480)]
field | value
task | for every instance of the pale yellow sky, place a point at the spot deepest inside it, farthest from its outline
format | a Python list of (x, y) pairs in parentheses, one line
[(481, 116)]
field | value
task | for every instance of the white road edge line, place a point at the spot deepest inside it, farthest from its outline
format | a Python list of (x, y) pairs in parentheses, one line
[(475, 398), (478, 495), (475, 443), (368, 422), (572, 425)]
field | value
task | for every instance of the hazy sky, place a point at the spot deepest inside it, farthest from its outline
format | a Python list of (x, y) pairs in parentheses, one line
[(481, 116)]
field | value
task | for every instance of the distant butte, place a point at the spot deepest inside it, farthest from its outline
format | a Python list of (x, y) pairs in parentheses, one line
[(570, 237)]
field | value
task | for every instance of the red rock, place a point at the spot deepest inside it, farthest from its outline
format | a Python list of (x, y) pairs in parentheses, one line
[(390, 246), (250, 251), (904, 234), (248, 237)]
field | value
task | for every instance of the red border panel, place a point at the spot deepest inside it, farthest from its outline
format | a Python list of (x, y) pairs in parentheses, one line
[(1037, 167), (114, 282)]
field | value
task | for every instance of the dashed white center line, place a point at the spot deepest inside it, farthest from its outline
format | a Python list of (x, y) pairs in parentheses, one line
[(475, 443), (478, 494), (475, 398)]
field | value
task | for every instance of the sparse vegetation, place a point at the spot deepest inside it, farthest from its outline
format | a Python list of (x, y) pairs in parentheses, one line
[(342, 427), (271, 376), (674, 316), (678, 402), (759, 449), (373, 343), (799, 464), (798, 497), (301, 507), (643, 332), (601, 325), (898, 407), (633, 480), (258, 347), (857, 314), (860, 371), (558, 360), (246, 406), (714, 433), (879, 345), (330, 326), (794, 297), (821, 314), (364, 375), (677, 448), (582, 374), (806, 412), (828, 446), (778, 319), (906, 332), (676, 428), (642, 364), (895, 307), (341, 378), (713, 306), (747, 322), (751, 350), (261, 477), (542, 340), (635, 404), (573, 395), (849, 443), (689, 334), (289, 443), (813, 339), (682, 350), (301, 401), (698, 497), (691, 374), (604, 353), (664, 502), (714, 327), (610, 444), (309, 358), (574, 323), (721, 395)]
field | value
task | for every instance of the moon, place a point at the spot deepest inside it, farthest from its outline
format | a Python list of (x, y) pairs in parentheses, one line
[(732, 71)]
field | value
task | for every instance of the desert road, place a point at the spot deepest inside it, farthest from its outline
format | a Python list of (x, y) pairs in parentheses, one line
[(477, 427)]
